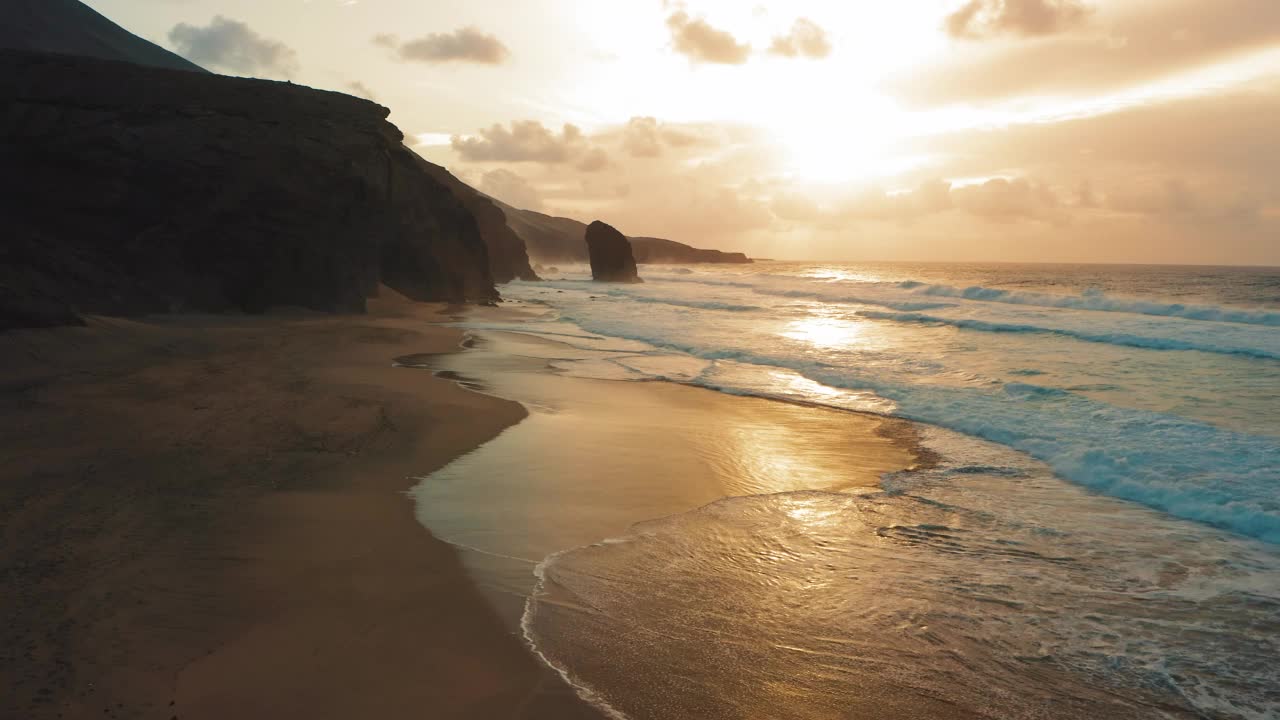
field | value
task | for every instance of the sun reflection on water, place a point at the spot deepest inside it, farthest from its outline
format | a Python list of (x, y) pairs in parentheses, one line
[(842, 274), (827, 331), (824, 332)]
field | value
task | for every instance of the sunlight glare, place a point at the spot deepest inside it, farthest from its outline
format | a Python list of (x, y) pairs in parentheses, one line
[(825, 332)]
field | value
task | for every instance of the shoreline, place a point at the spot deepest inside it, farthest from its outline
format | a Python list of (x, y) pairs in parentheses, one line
[(926, 537), (858, 447), (208, 520)]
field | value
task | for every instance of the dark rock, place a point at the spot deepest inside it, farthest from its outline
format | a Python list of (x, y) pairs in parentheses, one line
[(31, 310), (558, 239), (651, 250), (548, 238), (508, 259), (610, 254), (127, 189), (70, 27)]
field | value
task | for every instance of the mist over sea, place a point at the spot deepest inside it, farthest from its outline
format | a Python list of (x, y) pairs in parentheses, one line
[(1100, 537)]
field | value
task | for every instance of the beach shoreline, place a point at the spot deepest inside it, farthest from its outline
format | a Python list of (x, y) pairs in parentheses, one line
[(580, 471), (779, 548), (206, 519), (212, 517)]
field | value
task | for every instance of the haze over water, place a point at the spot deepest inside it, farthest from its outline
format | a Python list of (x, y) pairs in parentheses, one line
[(1098, 539)]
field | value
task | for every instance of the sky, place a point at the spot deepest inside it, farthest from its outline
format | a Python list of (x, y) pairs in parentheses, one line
[(1144, 131)]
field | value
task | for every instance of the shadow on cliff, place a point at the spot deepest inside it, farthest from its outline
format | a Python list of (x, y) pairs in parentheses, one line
[(129, 189)]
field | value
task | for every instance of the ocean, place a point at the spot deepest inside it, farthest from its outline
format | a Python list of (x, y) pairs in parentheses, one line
[(1100, 535)]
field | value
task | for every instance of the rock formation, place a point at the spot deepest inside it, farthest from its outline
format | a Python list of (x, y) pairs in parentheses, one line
[(610, 254), (127, 189), (557, 239), (548, 238), (70, 27), (508, 259)]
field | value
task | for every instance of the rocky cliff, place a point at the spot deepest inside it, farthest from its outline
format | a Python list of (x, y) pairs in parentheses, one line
[(548, 239), (610, 254), (127, 189), (551, 239), (69, 27), (508, 259)]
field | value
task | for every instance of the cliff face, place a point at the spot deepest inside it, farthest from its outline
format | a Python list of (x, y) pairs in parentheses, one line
[(508, 259), (70, 27), (548, 238), (556, 239), (127, 189)]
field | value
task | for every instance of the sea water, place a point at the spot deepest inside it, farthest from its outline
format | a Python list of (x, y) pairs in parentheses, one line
[(1099, 537)]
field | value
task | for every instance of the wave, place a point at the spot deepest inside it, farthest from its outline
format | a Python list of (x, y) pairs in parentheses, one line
[(695, 304), (1097, 301), (850, 299), (1090, 300), (936, 559), (1183, 467), (839, 296), (588, 694), (1110, 338)]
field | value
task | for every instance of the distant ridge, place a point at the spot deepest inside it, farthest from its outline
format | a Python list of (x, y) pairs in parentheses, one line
[(558, 239), (507, 257), (652, 250), (69, 27)]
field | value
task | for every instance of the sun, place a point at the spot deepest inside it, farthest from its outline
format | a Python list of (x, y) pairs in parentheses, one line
[(852, 139)]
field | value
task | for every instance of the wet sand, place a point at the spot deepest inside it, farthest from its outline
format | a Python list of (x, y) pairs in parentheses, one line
[(204, 518), (596, 456)]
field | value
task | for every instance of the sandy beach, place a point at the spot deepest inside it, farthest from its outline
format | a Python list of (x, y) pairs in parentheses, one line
[(597, 468), (205, 519), (639, 361), (306, 515)]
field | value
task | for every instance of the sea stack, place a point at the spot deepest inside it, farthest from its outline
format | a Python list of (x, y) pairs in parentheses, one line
[(610, 254)]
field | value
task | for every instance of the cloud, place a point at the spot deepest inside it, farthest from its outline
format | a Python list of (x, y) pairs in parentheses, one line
[(1134, 44), (640, 137), (694, 210), (511, 189), (1171, 196), (467, 44), (1189, 180), (531, 141), (680, 138), (1004, 200), (995, 200), (795, 206), (1227, 137), (806, 39), (701, 42), (648, 137), (1027, 18), (232, 45), (593, 160)]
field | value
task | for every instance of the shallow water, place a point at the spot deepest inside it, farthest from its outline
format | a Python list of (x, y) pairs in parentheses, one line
[(673, 573), (596, 456), (1143, 383), (1060, 604)]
